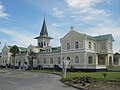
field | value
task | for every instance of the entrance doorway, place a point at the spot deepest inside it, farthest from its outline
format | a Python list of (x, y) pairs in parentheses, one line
[(110, 60)]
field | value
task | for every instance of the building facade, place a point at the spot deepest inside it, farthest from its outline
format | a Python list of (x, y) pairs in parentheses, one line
[(83, 51)]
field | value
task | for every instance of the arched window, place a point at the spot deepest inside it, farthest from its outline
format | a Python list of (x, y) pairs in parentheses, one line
[(44, 60), (101, 60), (90, 60), (59, 61), (68, 46), (68, 58), (51, 60), (44, 43), (77, 59), (95, 46), (89, 45), (41, 45), (76, 45)]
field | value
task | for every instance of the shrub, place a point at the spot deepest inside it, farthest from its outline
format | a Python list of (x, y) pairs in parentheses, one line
[(71, 68), (104, 75)]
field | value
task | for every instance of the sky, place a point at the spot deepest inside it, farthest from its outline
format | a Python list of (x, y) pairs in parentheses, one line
[(21, 20)]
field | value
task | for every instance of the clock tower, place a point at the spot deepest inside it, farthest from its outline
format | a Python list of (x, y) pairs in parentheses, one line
[(43, 40)]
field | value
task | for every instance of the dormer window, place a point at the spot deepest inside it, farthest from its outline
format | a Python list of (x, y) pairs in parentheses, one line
[(68, 46)]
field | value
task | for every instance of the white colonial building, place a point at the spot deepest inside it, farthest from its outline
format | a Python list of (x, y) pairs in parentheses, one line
[(83, 51)]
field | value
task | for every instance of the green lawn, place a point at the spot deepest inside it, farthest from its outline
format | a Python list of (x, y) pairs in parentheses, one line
[(95, 75)]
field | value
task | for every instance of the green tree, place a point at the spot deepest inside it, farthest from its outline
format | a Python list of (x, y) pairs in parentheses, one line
[(32, 55), (14, 50)]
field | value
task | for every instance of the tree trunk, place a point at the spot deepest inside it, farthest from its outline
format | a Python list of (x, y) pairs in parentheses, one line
[(14, 62)]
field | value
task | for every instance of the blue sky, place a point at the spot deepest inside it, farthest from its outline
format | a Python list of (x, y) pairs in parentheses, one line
[(21, 20)]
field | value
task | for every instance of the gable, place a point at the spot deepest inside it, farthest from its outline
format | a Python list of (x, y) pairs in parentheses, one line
[(5, 48), (73, 35)]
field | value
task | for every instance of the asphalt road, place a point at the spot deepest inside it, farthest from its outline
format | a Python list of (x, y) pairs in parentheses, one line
[(21, 80)]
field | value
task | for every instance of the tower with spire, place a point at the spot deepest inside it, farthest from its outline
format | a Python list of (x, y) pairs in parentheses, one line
[(43, 40)]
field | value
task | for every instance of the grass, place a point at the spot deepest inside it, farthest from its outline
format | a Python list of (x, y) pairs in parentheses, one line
[(95, 75)]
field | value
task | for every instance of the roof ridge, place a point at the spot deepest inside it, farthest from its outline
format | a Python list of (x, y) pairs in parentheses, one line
[(102, 35)]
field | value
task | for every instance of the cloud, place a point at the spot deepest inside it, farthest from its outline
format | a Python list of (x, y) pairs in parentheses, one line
[(3, 15), (82, 4), (57, 12), (58, 24), (19, 37), (86, 11)]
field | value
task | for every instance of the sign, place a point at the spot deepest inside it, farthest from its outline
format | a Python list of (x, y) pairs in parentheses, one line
[(65, 63)]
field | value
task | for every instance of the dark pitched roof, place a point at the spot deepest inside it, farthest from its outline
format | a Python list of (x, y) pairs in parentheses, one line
[(43, 32), (43, 37), (22, 49), (90, 37), (9, 46), (104, 37), (44, 29), (117, 54), (54, 50)]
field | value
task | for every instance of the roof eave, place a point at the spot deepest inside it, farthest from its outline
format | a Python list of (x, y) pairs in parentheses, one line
[(43, 37)]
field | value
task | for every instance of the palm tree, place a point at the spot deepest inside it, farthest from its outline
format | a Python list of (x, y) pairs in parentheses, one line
[(14, 50), (32, 55)]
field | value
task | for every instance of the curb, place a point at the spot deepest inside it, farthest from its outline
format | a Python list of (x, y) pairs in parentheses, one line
[(72, 85)]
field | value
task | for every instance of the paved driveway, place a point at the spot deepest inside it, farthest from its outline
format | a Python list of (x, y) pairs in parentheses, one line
[(19, 80)]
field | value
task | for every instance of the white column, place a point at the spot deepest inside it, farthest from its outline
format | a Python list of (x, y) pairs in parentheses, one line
[(85, 54)]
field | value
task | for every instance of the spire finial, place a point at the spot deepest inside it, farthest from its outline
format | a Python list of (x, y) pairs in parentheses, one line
[(71, 28)]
